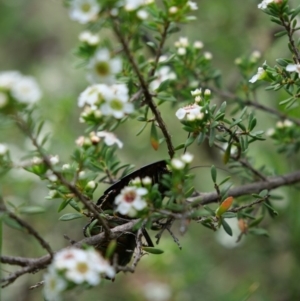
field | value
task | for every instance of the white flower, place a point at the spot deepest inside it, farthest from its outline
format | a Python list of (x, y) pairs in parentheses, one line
[(26, 90), (103, 68), (287, 123), (147, 181), (264, 4), (91, 185), (130, 200), (173, 10), (162, 74), (66, 166), (81, 266), (187, 158), (84, 11), (89, 38), (36, 161), (54, 160), (196, 92), (157, 291), (198, 45), (134, 4), (110, 139), (193, 5), (116, 102), (181, 51), (193, 109), (54, 285), (226, 240), (207, 55), (81, 175), (91, 95), (182, 42), (177, 163), (51, 176), (270, 132), (293, 68), (255, 55), (9, 78), (142, 14), (207, 92), (3, 100), (261, 73), (3, 149)]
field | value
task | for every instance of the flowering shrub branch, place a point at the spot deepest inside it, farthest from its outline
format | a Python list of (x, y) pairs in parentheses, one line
[(124, 83)]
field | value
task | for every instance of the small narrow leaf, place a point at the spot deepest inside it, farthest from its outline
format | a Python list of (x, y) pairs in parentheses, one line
[(152, 250), (154, 137), (226, 227), (70, 216), (213, 173)]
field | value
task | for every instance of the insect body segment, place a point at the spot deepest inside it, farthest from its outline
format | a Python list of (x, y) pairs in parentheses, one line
[(126, 242)]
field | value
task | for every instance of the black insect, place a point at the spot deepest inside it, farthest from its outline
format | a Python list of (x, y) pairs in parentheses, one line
[(126, 242)]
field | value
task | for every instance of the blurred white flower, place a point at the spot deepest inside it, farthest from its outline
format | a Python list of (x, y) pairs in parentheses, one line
[(9, 78), (116, 102), (193, 5), (3, 149), (26, 90), (130, 200), (207, 55), (92, 95), (54, 159), (82, 266), (162, 74), (196, 92), (3, 99), (264, 4), (110, 139), (293, 68), (183, 42), (103, 67), (89, 38), (226, 240), (157, 291), (198, 45), (142, 14), (261, 73), (51, 176), (54, 285), (181, 51), (187, 158), (84, 11), (193, 109), (173, 10), (177, 163), (135, 4)]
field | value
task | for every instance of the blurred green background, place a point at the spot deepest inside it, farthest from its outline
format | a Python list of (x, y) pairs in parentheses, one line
[(37, 38)]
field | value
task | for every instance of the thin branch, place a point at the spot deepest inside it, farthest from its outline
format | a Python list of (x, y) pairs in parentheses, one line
[(144, 86), (87, 203), (26, 226), (247, 189)]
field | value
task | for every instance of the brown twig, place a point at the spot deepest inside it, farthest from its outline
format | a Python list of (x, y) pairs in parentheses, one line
[(247, 189), (144, 86), (29, 229), (87, 203)]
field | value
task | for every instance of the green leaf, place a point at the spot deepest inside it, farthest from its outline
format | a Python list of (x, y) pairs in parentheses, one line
[(280, 33), (213, 172), (226, 227), (12, 223), (153, 250), (70, 216), (258, 231), (189, 141), (31, 210)]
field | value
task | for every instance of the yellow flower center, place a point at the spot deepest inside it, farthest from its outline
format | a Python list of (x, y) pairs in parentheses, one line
[(82, 267)]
